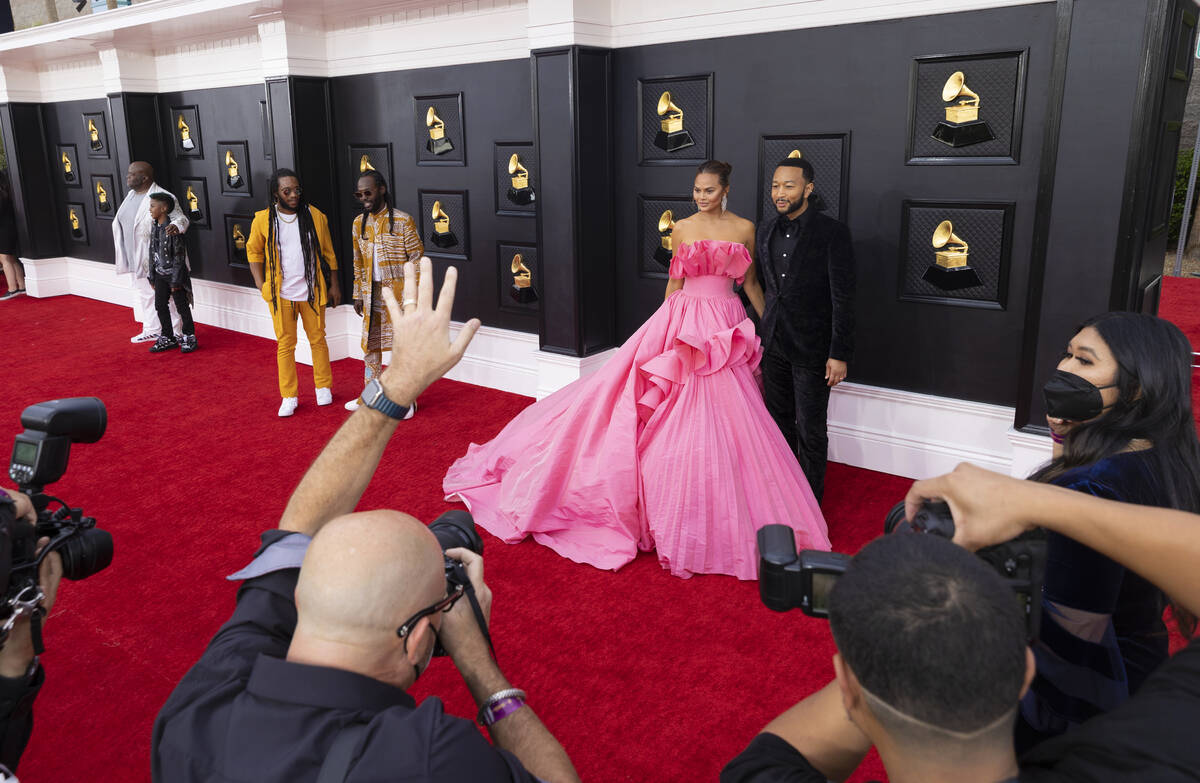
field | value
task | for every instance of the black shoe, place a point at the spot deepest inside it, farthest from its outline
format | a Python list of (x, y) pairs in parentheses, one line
[(164, 343), (188, 343)]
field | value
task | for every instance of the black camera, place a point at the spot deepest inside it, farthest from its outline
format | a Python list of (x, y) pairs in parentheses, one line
[(39, 457), (787, 580), (456, 529)]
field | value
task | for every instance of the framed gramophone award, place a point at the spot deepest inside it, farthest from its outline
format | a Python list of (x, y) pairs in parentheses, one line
[(515, 172), (184, 124), (675, 118), (95, 133), (105, 198), (443, 221), (233, 161), (440, 134), (656, 216), (66, 163), (829, 154), (193, 200), (237, 232), (956, 252), (517, 275), (75, 222), (966, 109)]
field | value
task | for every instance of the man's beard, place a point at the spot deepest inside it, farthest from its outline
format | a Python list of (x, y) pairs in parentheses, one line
[(791, 207)]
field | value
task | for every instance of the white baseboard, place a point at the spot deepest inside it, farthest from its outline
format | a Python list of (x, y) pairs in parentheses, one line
[(898, 432)]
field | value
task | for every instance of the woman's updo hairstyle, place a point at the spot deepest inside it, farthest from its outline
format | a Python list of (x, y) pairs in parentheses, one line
[(718, 167)]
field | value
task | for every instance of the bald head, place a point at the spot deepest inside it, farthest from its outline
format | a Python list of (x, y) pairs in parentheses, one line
[(365, 574), (139, 176)]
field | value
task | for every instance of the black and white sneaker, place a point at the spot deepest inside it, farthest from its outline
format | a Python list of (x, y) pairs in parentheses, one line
[(187, 343), (164, 343), (13, 294)]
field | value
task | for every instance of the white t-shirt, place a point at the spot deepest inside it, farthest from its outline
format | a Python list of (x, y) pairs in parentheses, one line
[(291, 254), (127, 215)]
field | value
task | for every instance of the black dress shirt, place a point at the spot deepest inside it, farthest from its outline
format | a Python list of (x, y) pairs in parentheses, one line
[(785, 239), (243, 712)]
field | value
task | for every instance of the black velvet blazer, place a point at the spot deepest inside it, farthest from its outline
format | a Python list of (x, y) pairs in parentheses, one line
[(812, 318)]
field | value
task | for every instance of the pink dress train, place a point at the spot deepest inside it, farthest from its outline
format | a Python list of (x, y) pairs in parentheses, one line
[(668, 446)]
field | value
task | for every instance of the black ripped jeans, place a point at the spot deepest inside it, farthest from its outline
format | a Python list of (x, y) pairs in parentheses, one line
[(162, 294)]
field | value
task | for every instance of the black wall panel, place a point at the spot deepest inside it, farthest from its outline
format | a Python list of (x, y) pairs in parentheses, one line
[(855, 78), (64, 124), (378, 109), (226, 114), (33, 165)]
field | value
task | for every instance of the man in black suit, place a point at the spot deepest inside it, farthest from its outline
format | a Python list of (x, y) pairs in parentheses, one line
[(806, 264)]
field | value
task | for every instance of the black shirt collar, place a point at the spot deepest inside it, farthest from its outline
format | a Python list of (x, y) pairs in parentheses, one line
[(801, 222), (322, 686)]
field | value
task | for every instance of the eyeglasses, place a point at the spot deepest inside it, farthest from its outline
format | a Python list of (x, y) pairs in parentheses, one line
[(443, 605), (290, 191), (363, 193)]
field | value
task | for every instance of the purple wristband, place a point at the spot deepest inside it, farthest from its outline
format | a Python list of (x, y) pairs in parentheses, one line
[(501, 709)]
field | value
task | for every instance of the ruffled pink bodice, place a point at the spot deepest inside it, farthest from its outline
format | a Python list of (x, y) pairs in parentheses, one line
[(711, 257)]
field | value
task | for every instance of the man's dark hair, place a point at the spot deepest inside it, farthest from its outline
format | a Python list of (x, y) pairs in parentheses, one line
[(931, 630), (310, 244), (166, 199), (798, 163)]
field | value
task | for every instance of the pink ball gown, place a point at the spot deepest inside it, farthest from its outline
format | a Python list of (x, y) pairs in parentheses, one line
[(668, 446)]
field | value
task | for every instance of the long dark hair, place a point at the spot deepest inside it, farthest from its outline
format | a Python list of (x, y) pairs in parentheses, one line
[(309, 243), (1154, 403), (380, 182)]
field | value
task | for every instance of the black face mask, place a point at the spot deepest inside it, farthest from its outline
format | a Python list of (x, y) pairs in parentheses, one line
[(1073, 398)]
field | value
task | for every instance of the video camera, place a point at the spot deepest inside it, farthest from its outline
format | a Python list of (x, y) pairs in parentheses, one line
[(787, 579), (39, 457)]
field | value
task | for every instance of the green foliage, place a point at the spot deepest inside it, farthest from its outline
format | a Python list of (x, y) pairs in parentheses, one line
[(1183, 167)]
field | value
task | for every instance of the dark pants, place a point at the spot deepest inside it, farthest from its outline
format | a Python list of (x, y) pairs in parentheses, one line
[(797, 398), (162, 293)]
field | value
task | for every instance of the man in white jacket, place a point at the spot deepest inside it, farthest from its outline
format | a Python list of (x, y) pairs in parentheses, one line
[(131, 236)]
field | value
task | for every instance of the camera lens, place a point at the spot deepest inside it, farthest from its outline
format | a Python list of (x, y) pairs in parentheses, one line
[(895, 518), (456, 528), (88, 553)]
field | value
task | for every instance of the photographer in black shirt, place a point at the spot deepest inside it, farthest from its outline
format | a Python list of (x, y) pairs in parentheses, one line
[(910, 682)]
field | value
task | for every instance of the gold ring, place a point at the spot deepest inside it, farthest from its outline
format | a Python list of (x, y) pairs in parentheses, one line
[(408, 302)]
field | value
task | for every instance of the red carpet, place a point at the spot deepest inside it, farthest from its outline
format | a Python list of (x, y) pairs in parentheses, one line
[(642, 676)]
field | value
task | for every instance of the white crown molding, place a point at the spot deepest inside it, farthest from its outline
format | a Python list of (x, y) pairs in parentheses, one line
[(891, 431)]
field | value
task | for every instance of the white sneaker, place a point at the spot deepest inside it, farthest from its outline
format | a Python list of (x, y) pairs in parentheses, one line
[(352, 405), (324, 396), (144, 337), (288, 406)]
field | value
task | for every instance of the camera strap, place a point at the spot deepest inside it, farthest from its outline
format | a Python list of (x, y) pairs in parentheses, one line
[(479, 618), (35, 629)]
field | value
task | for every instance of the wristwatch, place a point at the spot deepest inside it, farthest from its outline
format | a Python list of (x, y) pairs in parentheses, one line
[(374, 397)]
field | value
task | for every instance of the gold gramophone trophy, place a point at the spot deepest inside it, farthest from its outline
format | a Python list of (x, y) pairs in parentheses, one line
[(185, 134), (94, 135), (522, 291), (68, 168), (950, 270), (520, 192), (962, 126), (76, 229), (442, 235), (364, 164), (438, 144), (102, 202), (193, 201), (672, 136), (666, 248), (232, 178), (239, 243)]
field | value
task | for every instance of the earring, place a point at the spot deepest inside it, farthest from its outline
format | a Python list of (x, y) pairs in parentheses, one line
[(724, 203)]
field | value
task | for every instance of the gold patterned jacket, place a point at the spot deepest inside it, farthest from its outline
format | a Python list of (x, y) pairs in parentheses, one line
[(391, 249)]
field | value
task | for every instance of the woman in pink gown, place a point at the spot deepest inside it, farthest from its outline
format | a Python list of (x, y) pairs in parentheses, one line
[(669, 445)]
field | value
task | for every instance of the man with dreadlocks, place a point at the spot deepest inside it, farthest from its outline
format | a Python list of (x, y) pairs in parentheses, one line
[(290, 240), (384, 240)]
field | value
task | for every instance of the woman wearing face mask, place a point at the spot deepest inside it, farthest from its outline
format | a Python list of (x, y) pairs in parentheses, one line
[(1120, 414), (669, 445)]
